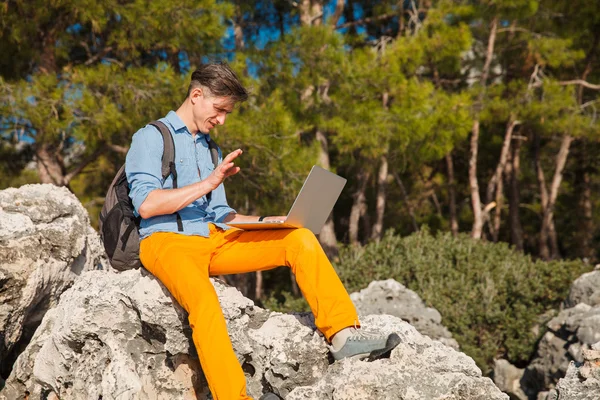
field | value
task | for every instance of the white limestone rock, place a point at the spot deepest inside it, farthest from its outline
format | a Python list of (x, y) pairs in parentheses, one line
[(46, 242), (582, 380), (392, 298), (418, 369), (122, 336)]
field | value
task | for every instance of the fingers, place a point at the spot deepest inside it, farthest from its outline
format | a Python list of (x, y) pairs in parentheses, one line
[(227, 167), (232, 156), (232, 171)]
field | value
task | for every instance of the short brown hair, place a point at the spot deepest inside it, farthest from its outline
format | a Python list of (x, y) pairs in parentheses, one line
[(220, 80)]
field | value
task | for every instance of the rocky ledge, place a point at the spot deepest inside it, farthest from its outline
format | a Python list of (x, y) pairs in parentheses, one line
[(582, 380), (121, 336), (46, 242)]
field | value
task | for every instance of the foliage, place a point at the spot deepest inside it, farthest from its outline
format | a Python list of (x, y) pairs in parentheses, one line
[(13, 161), (490, 297), (65, 33), (394, 81), (286, 302)]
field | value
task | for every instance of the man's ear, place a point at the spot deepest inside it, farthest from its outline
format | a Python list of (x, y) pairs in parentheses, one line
[(196, 94)]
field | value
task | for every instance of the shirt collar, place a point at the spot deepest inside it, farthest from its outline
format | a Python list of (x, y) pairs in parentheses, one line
[(176, 122)]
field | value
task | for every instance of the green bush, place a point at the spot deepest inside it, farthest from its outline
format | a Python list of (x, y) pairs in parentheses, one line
[(490, 297), (285, 302)]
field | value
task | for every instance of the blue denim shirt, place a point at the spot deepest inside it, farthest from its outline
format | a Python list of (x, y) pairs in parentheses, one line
[(193, 164)]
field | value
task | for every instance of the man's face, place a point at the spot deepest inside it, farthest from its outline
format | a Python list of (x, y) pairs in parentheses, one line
[(209, 111)]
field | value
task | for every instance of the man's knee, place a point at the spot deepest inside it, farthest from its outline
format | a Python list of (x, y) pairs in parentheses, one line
[(304, 239)]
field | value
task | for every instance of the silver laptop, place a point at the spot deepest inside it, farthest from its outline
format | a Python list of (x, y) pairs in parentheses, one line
[(311, 208)]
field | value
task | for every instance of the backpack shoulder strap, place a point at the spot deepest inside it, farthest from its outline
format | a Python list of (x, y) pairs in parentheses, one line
[(168, 158), (214, 152)]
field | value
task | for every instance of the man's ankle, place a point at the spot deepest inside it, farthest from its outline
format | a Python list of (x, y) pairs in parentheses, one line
[(339, 339)]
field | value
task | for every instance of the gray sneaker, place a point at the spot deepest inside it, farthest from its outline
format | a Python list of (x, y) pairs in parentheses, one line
[(361, 345)]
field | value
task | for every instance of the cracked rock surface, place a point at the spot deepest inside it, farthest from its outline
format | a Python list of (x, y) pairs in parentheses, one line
[(582, 381), (122, 336), (575, 328), (46, 242), (393, 298), (561, 350)]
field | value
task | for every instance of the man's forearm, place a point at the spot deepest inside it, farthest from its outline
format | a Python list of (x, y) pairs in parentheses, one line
[(234, 217), (169, 201)]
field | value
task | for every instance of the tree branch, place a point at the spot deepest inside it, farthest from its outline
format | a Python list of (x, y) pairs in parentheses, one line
[(339, 9), (365, 21), (84, 163), (117, 148), (101, 54), (580, 82)]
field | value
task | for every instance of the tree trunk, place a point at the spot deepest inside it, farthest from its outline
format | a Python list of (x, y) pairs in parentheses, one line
[(47, 59), (452, 194), (365, 221), (548, 237), (477, 228), (238, 33), (478, 217), (358, 206), (311, 12), (259, 289), (381, 199), (586, 248), (382, 175), (544, 251), (337, 13), (561, 161), (411, 211), (514, 201), (495, 185), (49, 165), (294, 284), (496, 222), (327, 236)]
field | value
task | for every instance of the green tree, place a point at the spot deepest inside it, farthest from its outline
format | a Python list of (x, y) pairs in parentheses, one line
[(56, 47)]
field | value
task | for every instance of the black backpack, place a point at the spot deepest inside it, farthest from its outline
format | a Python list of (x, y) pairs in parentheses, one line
[(119, 227)]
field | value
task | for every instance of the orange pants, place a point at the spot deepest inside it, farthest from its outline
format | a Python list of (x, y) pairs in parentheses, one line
[(184, 263)]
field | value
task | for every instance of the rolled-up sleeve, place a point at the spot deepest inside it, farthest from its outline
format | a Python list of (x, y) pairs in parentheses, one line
[(143, 165), (218, 201)]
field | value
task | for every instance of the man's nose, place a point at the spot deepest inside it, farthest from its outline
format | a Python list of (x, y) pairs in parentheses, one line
[(221, 118)]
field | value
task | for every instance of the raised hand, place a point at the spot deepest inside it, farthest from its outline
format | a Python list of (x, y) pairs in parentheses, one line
[(223, 170)]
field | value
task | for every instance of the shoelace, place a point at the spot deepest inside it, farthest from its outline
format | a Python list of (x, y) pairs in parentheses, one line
[(359, 334)]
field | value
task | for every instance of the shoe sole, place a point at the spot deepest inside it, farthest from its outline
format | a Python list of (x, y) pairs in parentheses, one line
[(392, 341)]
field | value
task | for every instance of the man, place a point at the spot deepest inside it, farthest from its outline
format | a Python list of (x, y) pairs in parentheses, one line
[(186, 239)]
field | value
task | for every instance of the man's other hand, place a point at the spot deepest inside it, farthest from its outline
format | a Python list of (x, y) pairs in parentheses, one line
[(223, 170)]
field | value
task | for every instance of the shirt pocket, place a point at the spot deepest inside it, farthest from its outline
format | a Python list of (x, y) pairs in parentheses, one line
[(183, 161), (183, 165)]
